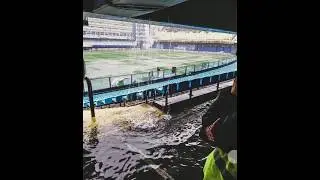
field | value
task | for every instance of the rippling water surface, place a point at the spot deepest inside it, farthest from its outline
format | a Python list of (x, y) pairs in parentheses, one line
[(172, 151)]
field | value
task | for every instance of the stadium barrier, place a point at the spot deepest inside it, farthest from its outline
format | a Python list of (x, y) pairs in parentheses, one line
[(133, 80), (165, 91)]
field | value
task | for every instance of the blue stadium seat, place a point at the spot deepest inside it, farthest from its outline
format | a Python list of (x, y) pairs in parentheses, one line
[(160, 91), (140, 95), (86, 105), (173, 88), (195, 83), (214, 79), (124, 98), (119, 99), (214, 49), (108, 101), (205, 81), (133, 96), (183, 86), (230, 75), (223, 77), (100, 103)]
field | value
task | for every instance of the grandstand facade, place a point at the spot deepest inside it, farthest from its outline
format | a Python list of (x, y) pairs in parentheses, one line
[(105, 33), (111, 33)]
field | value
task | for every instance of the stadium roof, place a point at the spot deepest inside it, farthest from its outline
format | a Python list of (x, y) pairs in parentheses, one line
[(131, 8), (216, 14), (101, 16)]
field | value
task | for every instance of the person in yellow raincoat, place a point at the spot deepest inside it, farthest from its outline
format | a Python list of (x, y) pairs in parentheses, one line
[(219, 127)]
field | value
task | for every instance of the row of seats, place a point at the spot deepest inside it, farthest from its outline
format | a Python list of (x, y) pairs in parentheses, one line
[(196, 47), (97, 22), (99, 42), (190, 36), (173, 88)]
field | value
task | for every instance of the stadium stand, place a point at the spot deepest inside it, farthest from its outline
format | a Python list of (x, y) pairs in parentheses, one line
[(111, 33)]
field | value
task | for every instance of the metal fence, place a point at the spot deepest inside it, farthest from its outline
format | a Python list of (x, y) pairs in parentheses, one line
[(136, 79)]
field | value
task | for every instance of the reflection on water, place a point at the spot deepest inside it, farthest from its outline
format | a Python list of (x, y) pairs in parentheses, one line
[(171, 151)]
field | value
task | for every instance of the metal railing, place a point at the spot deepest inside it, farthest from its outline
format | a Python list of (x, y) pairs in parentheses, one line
[(108, 82), (161, 92), (90, 94)]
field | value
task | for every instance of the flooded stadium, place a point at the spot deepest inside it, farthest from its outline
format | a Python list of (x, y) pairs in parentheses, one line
[(140, 141)]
